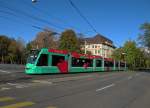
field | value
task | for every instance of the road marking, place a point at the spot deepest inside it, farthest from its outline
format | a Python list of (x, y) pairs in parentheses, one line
[(137, 74), (42, 81), (4, 88), (3, 99), (130, 77), (105, 87), (18, 105), (108, 75), (4, 71), (17, 85)]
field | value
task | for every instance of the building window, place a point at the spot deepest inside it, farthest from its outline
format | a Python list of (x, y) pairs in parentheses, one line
[(95, 51)]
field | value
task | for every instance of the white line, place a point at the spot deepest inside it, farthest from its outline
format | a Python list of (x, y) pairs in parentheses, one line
[(4, 88), (130, 77), (105, 87), (137, 74), (17, 85), (4, 71), (42, 81), (12, 84)]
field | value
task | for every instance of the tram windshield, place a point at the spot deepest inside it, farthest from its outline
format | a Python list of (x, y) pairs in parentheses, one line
[(32, 56)]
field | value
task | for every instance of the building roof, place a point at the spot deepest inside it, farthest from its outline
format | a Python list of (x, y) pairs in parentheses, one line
[(99, 39)]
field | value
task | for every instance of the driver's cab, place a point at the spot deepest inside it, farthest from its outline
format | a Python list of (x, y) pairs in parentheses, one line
[(32, 60)]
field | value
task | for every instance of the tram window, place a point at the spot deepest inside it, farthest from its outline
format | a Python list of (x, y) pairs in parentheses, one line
[(56, 59), (108, 64), (117, 64), (122, 65), (79, 62), (43, 60), (98, 63), (111, 64)]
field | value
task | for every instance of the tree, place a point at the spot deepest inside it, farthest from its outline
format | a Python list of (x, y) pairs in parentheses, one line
[(68, 41), (29, 46), (81, 42), (20, 50), (134, 56), (4, 44), (12, 51), (117, 54), (131, 54), (145, 41), (145, 36), (45, 39)]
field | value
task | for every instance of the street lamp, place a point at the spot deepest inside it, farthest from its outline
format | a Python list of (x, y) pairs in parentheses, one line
[(123, 55), (124, 59), (34, 1)]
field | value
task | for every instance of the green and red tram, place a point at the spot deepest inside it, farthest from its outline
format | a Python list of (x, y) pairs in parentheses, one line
[(61, 61)]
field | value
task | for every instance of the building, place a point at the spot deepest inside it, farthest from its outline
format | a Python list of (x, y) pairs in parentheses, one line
[(99, 45), (146, 50)]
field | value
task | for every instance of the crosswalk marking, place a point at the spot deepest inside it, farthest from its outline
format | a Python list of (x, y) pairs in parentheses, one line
[(18, 105), (3, 99)]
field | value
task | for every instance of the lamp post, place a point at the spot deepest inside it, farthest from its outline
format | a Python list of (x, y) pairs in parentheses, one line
[(124, 59), (123, 55), (34, 1)]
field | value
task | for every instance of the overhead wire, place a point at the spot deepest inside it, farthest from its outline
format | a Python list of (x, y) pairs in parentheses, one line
[(8, 13), (55, 18), (15, 12), (14, 20), (84, 18), (40, 28), (81, 14), (41, 10), (23, 13), (34, 26)]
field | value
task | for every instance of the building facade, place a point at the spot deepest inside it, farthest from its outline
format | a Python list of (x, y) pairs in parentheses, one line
[(99, 45)]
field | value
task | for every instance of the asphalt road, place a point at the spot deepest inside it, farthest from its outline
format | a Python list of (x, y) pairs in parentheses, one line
[(85, 90)]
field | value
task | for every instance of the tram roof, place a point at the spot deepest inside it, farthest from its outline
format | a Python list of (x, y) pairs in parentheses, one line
[(58, 51), (109, 59), (77, 55), (74, 54)]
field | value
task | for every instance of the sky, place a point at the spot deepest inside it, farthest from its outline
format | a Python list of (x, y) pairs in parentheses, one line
[(118, 20)]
